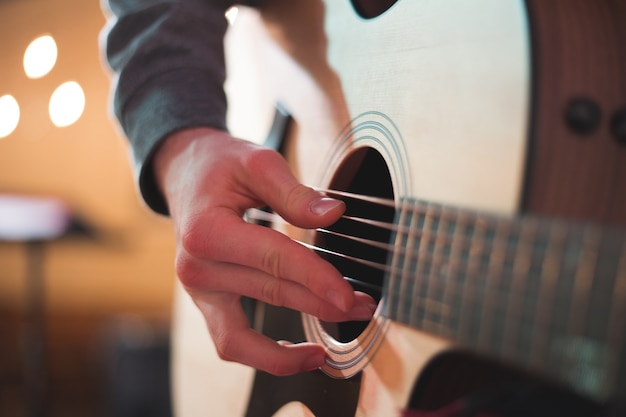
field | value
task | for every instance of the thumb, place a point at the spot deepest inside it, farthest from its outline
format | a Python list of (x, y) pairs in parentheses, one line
[(309, 208), (300, 205)]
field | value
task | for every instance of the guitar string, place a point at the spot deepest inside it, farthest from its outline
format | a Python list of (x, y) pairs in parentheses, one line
[(405, 231), (424, 256), (443, 213), (428, 304), (480, 247), (472, 245), (419, 207)]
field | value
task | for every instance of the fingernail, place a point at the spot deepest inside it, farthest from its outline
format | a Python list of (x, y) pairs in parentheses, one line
[(362, 312), (337, 300), (314, 362), (323, 205)]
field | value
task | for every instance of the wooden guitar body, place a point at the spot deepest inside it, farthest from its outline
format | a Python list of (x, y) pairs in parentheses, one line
[(433, 106)]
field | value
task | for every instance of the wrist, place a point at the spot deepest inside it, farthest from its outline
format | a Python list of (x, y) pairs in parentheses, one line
[(170, 157)]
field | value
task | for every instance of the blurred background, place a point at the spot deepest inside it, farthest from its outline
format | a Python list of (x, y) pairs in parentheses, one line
[(86, 271)]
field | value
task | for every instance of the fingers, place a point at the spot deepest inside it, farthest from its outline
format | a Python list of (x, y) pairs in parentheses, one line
[(272, 181), (222, 236), (233, 340), (209, 180), (206, 277)]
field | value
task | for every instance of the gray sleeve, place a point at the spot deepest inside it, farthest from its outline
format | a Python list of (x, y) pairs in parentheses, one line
[(168, 61)]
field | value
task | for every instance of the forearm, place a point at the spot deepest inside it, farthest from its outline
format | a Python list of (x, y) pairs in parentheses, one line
[(169, 64)]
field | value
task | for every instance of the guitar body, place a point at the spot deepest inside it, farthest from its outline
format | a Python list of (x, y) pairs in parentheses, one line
[(430, 100)]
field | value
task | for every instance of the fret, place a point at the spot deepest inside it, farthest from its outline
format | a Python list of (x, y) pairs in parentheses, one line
[(583, 279), (473, 285), (542, 293), (411, 278), (520, 270), (604, 285), (617, 319), (417, 312), (450, 294), (570, 256), (391, 291), (550, 271), (437, 245), (494, 277)]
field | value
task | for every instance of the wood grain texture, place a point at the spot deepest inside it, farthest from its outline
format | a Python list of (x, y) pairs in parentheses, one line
[(579, 50)]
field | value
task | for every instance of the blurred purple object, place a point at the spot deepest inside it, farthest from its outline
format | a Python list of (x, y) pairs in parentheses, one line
[(25, 218)]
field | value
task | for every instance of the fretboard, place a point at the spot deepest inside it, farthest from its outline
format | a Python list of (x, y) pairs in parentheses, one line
[(544, 294)]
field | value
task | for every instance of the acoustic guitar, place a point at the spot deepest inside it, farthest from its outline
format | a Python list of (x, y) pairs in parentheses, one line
[(480, 148)]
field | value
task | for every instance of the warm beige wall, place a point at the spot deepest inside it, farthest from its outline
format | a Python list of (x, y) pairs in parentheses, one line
[(86, 164)]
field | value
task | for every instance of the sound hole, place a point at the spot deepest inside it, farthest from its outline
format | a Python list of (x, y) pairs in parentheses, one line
[(369, 9), (364, 173)]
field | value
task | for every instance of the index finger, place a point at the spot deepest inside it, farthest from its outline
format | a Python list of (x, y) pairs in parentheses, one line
[(222, 235)]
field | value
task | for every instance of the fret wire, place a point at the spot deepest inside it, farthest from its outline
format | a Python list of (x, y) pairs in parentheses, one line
[(537, 317), (408, 276), (430, 264), (391, 293), (493, 283), (618, 310), (550, 270), (465, 331), (450, 285), (423, 258), (476, 245), (446, 214), (435, 277), (429, 257), (522, 315), (617, 317), (258, 214), (583, 279), (520, 270)]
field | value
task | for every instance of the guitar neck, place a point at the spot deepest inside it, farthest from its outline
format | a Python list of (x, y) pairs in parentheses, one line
[(542, 293)]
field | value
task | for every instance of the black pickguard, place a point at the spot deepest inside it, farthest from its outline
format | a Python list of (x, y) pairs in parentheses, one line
[(323, 395)]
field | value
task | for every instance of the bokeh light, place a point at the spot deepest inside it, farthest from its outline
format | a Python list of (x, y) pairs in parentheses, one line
[(40, 57), (67, 104), (9, 115)]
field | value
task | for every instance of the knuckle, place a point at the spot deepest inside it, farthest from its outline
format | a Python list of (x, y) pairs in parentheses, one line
[(197, 237), (272, 293), (294, 195), (224, 347), (272, 262), (194, 242), (187, 271)]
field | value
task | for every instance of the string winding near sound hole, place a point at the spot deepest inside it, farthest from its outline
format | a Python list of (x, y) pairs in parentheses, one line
[(363, 172), (369, 159)]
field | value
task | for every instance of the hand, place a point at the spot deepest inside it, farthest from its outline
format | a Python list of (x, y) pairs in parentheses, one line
[(209, 180)]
